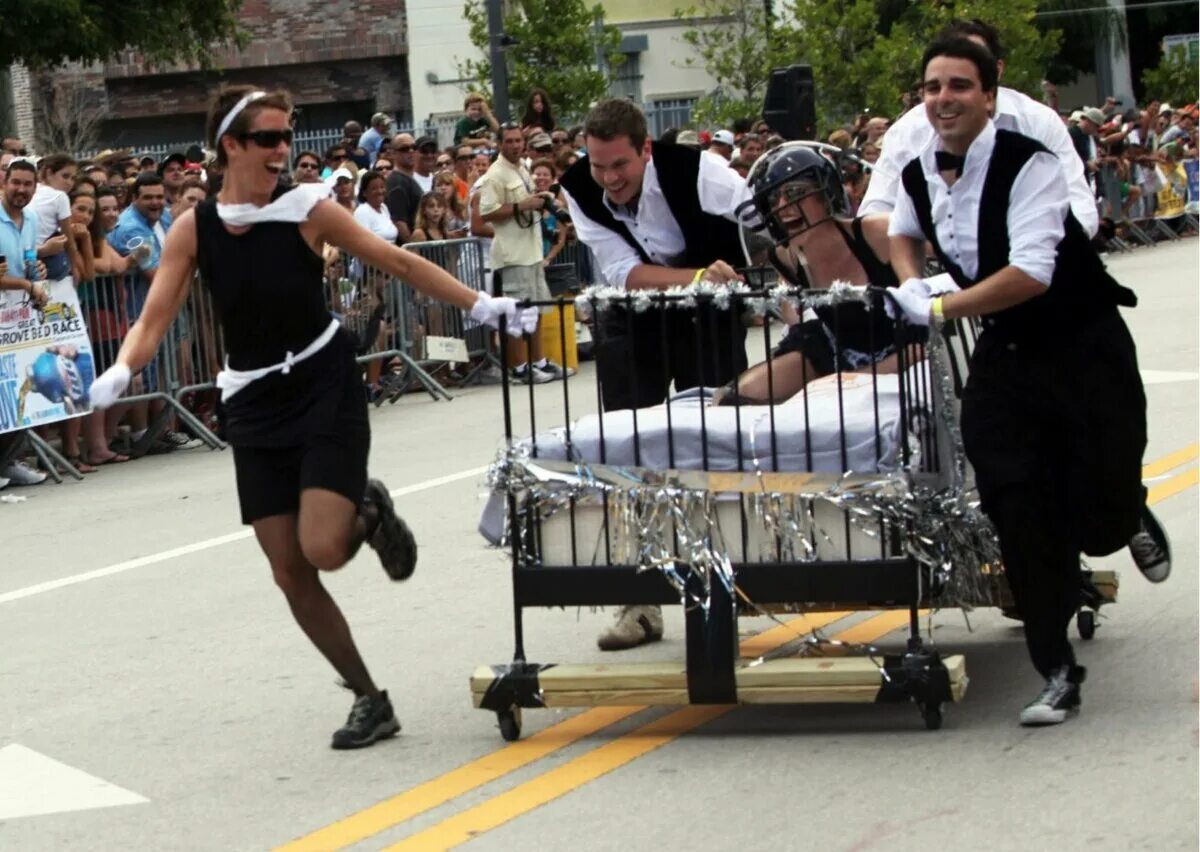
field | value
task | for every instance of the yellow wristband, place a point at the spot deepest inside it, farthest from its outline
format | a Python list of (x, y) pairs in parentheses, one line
[(698, 276), (935, 310)]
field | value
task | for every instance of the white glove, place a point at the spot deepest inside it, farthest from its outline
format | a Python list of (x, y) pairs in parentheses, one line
[(109, 386), (913, 299), (940, 285), (488, 310)]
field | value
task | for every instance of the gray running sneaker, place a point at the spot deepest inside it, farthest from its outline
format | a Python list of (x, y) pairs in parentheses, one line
[(370, 719), (526, 375), (1151, 548), (1058, 699), (634, 625), (392, 539), (554, 371)]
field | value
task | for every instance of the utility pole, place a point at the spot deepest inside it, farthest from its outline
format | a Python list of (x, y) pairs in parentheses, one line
[(497, 41)]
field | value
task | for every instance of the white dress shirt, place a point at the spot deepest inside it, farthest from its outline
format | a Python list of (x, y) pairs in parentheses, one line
[(651, 223), (912, 133), (1037, 209)]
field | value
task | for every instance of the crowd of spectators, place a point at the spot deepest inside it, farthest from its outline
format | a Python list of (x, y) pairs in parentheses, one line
[(103, 220)]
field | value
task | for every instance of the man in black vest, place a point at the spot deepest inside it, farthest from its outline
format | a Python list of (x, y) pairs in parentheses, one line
[(655, 216), (1054, 414)]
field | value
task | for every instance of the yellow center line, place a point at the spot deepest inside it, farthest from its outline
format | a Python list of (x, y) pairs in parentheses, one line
[(581, 770), (438, 791), (1170, 487), (1169, 462)]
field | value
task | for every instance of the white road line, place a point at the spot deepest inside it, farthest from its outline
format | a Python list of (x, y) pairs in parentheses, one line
[(206, 544)]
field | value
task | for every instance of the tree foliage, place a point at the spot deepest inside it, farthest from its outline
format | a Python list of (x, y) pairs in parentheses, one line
[(737, 44), (1173, 80), (557, 43), (46, 33), (865, 54)]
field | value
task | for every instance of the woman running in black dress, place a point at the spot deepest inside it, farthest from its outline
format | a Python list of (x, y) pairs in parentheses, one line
[(295, 406)]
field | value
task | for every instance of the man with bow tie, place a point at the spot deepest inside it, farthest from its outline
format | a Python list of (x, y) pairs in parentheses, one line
[(1054, 413)]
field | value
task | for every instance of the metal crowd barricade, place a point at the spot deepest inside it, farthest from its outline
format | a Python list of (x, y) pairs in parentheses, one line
[(464, 259), (111, 305)]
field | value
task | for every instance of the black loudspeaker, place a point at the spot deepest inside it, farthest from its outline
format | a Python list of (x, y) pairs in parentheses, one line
[(789, 106)]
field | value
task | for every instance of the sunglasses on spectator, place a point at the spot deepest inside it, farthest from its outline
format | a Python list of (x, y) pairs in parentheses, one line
[(307, 164), (268, 138), (16, 152), (402, 149), (383, 168)]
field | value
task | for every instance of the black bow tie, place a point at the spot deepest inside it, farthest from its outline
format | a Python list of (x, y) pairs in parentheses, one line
[(947, 162)]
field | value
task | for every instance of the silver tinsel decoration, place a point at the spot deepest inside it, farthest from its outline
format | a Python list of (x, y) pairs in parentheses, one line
[(667, 520)]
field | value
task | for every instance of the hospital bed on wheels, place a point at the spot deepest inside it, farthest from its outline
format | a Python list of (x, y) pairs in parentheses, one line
[(819, 503)]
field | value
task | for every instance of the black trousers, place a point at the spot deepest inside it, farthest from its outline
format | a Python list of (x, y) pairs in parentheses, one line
[(639, 355), (1055, 430)]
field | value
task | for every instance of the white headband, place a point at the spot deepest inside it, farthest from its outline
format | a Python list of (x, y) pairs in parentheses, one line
[(233, 113)]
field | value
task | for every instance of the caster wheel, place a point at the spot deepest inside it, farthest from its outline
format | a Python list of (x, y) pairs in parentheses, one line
[(510, 724), (932, 714), (1086, 622)]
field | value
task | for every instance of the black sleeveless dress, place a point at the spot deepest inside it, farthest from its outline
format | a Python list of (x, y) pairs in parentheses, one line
[(307, 428), (849, 333)]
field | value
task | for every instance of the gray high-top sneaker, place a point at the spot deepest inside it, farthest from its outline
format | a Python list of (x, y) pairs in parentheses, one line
[(634, 625)]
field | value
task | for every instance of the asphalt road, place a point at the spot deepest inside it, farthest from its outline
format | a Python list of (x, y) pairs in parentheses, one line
[(156, 694)]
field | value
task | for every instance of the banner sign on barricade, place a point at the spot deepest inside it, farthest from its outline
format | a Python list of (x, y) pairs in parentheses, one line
[(46, 363)]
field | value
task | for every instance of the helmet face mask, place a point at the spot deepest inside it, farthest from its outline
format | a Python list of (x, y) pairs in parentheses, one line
[(794, 189)]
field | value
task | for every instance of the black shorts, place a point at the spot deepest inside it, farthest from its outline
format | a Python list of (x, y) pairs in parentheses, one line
[(270, 479)]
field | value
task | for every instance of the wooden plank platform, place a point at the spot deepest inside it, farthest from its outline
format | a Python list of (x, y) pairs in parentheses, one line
[(795, 680)]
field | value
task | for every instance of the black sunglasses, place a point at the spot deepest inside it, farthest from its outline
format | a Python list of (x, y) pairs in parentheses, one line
[(402, 149), (307, 164), (268, 138)]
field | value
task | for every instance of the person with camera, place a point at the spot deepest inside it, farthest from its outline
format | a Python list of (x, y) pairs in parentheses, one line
[(509, 203)]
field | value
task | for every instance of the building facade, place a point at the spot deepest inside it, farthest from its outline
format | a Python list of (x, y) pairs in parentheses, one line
[(654, 73), (341, 59)]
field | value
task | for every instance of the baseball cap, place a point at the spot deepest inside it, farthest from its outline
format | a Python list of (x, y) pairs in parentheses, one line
[(425, 142), (1093, 115), (339, 174), (380, 117), (540, 140), (1165, 108), (723, 137), (173, 157), (689, 138)]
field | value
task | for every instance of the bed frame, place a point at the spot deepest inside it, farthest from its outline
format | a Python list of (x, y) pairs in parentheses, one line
[(577, 551)]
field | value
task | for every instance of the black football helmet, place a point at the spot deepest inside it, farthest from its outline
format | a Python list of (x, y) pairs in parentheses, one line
[(779, 182)]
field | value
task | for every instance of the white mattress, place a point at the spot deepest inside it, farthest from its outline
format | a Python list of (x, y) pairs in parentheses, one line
[(870, 432)]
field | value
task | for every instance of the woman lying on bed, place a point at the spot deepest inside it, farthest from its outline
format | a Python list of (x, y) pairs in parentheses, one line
[(798, 201)]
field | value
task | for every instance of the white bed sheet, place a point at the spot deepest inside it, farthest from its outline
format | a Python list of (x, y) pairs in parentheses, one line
[(868, 416)]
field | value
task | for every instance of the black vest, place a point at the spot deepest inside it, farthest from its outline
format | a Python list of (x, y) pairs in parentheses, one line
[(707, 238), (1081, 288)]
